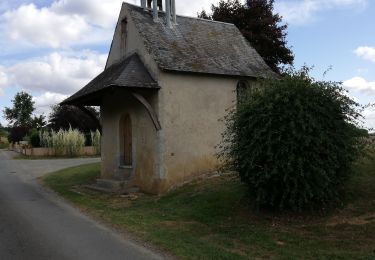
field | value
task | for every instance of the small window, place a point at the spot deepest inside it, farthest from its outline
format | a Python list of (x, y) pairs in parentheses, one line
[(124, 31)]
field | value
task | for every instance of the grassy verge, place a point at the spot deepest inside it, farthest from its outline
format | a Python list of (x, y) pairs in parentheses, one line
[(4, 145), (208, 219), (33, 157)]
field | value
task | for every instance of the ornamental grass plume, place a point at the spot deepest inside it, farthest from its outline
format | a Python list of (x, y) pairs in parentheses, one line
[(65, 142), (96, 140)]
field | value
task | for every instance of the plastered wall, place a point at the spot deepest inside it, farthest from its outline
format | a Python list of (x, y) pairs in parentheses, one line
[(191, 108)]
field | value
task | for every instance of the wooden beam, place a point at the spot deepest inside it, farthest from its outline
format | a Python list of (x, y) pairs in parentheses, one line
[(149, 109)]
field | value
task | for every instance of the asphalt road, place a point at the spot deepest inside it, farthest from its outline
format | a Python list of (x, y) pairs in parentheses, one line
[(35, 224)]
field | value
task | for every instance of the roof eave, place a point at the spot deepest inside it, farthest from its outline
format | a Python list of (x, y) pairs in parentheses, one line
[(97, 95)]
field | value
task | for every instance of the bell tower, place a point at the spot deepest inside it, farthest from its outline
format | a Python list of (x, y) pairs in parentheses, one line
[(157, 5)]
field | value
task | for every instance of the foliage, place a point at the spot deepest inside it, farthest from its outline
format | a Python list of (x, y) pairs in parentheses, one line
[(34, 138), (17, 134), (259, 25), (65, 142), (3, 132), (38, 122), (20, 113), (96, 141), (20, 117), (64, 117), (293, 142)]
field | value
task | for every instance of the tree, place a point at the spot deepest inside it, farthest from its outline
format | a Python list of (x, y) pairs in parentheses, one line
[(259, 25), (294, 141), (20, 114), (21, 118), (38, 121), (64, 117)]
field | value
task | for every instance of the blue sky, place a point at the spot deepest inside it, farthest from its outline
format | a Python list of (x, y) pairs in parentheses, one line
[(53, 48)]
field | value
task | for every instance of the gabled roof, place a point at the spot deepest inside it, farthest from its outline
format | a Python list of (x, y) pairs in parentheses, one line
[(198, 46), (129, 72)]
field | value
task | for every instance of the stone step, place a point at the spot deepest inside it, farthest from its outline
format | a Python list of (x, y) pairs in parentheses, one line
[(97, 188), (124, 173), (113, 186)]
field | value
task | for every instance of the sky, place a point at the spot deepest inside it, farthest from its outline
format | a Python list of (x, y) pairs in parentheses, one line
[(52, 48)]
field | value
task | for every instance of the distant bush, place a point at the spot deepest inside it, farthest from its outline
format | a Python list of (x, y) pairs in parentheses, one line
[(3, 133), (17, 134), (293, 141), (34, 138)]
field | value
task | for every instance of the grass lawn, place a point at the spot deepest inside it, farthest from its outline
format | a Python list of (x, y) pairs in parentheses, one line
[(208, 219)]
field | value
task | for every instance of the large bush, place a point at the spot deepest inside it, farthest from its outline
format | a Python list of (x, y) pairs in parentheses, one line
[(293, 141), (34, 138), (17, 133)]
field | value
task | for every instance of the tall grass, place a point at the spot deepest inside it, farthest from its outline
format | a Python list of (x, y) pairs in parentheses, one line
[(95, 141), (65, 142)]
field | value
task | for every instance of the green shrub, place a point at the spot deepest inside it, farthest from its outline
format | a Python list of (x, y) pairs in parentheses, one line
[(293, 141), (34, 138)]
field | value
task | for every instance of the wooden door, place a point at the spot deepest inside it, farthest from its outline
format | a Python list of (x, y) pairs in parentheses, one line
[(127, 135)]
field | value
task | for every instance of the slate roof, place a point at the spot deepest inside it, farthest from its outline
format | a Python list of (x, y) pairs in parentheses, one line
[(129, 72), (192, 45), (198, 46)]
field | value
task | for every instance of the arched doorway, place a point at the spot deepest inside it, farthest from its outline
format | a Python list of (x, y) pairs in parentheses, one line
[(126, 140)]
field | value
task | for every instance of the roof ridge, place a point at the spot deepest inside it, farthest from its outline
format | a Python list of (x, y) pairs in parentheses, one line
[(182, 16)]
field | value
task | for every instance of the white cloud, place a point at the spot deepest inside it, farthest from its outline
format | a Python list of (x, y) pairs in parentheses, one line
[(41, 27), (3, 80), (63, 24), (66, 23), (362, 70), (304, 11), (62, 73), (48, 99), (360, 84), (191, 8), (366, 52), (44, 102), (97, 12), (369, 115)]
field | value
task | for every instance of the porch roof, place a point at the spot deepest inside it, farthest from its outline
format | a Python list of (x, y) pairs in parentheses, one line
[(128, 73)]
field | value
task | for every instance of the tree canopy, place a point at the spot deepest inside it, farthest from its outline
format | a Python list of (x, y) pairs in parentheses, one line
[(259, 25), (64, 117), (21, 114)]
